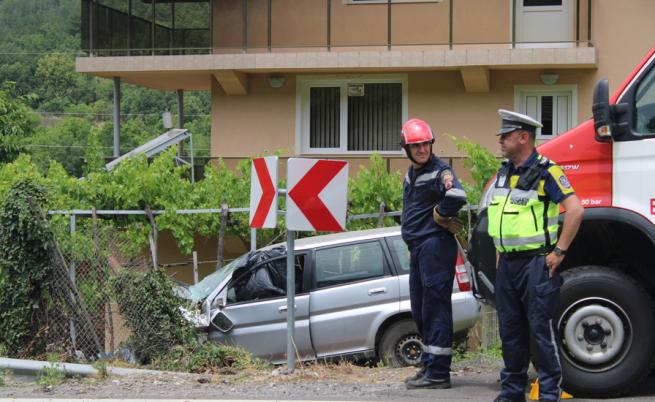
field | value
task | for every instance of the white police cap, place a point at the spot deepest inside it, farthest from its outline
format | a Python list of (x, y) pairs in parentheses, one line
[(516, 121)]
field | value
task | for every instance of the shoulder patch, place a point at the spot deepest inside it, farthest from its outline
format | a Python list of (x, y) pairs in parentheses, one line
[(560, 178)]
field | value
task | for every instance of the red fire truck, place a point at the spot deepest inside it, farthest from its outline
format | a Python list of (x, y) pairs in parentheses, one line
[(607, 317)]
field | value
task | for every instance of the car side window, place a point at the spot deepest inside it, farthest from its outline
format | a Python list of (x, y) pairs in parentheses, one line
[(645, 105), (401, 254), (264, 281), (350, 263)]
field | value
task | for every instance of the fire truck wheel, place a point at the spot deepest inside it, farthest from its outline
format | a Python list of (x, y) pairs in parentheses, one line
[(606, 329)]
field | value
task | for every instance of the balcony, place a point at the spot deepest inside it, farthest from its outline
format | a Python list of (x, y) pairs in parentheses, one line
[(150, 42)]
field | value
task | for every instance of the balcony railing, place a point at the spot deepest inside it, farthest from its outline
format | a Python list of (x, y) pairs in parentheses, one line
[(171, 27)]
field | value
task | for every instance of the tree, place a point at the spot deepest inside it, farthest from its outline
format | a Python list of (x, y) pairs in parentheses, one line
[(16, 122), (65, 142)]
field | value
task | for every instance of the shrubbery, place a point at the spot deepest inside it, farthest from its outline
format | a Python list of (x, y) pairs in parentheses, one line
[(25, 270), (152, 311)]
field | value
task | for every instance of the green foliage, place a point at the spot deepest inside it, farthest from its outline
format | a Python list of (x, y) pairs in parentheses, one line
[(16, 123), (483, 165), (101, 367), (151, 310), (207, 357), (372, 186), (54, 143), (50, 376), (25, 272), (3, 376)]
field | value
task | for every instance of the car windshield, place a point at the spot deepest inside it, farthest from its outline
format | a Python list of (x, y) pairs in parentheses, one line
[(202, 289)]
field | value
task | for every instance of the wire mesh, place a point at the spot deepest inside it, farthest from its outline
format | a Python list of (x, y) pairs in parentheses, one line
[(88, 257)]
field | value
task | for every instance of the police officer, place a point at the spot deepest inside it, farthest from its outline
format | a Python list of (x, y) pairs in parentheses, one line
[(523, 213), (432, 195)]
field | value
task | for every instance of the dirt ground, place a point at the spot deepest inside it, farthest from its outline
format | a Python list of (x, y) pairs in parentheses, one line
[(344, 381)]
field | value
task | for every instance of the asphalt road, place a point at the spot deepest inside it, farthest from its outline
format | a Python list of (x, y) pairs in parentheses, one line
[(385, 386)]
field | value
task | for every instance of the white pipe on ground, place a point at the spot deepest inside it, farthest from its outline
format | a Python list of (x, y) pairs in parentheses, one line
[(20, 366)]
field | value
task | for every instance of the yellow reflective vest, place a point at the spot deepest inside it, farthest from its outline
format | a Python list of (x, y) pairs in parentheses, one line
[(521, 217)]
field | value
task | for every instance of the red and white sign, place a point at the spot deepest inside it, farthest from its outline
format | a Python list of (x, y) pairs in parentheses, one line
[(263, 192), (318, 194)]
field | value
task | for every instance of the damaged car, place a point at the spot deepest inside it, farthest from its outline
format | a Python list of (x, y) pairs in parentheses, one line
[(352, 300)]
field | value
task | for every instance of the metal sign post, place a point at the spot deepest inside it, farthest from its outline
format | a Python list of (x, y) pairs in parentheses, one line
[(316, 201), (291, 308)]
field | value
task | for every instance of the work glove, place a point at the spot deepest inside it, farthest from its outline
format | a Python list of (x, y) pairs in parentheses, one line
[(452, 224)]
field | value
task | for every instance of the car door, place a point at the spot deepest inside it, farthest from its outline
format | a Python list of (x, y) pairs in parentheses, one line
[(353, 292), (257, 312)]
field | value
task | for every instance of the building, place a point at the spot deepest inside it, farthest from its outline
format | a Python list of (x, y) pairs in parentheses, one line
[(336, 78)]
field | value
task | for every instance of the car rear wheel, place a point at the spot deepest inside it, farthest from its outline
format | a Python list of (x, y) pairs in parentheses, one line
[(401, 345), (606, 328)]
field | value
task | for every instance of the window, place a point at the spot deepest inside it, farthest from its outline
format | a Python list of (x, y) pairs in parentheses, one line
[(264, 281), (644, 122), (541, 3), (345, 264), (393, 1), (401, 254), (351, 116), (555, 107)]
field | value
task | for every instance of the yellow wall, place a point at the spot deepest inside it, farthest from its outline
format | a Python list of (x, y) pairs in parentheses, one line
[(265, 119), (298, 24)]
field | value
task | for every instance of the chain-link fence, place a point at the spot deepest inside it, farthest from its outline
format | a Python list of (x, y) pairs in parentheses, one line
[(91, 251)]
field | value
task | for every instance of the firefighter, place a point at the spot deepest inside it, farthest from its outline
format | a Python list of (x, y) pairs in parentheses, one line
[(524, 205), (432, 196)]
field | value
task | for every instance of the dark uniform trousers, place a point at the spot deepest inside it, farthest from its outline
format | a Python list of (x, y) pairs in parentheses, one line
[(527, 303), (431, 275)]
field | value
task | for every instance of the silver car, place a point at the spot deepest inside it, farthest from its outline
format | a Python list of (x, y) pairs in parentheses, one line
[(352, 299)]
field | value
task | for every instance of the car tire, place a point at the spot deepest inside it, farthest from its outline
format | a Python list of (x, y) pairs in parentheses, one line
[(400, 345), (606, 332)]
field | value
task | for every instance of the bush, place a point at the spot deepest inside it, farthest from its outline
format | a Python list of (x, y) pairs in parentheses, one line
[(25, 271), (208, 357), (371, 187), (152, 311), (483, 165)]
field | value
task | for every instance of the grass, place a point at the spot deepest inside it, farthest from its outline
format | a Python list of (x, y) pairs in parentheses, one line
[(101, 366), (3, 376), (210, 358), (50, 376)]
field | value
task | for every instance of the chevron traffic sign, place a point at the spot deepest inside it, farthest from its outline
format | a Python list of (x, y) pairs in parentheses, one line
[(263, 192), (317, 194)]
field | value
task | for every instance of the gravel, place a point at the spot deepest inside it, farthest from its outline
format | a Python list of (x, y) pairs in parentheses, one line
[(473, 379)]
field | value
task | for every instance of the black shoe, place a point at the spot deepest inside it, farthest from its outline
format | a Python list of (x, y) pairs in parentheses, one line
[(428, 383), (419, 374), (506, 399)]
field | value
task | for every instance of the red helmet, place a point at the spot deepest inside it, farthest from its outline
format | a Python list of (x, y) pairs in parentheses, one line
[(416, 131)]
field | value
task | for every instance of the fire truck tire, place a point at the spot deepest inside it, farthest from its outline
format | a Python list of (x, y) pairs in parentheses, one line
[(606, 331)]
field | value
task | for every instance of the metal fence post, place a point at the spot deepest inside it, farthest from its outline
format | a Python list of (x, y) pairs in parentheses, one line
[(195, 267), (71, 275), (221, 236), (383, 206)]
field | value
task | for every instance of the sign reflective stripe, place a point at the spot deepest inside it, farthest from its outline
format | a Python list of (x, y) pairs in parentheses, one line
[(436, 350)]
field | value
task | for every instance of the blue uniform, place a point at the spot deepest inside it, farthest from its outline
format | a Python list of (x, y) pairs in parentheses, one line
[(527, 299), (433, 254)]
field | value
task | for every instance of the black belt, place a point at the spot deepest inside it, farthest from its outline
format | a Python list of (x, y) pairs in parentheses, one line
[(512, 255)]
